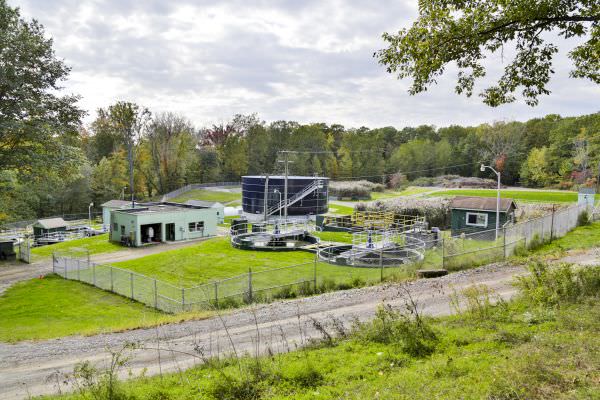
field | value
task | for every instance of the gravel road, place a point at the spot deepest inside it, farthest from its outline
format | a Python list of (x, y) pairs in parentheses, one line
[(34, 368)]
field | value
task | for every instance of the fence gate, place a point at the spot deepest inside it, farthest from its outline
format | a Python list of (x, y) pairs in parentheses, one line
[(25, 250)]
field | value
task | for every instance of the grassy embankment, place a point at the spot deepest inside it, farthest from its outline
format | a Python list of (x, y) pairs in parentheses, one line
[(208, 195), (53, 307), (520, 195), (95, 245), (542, 345)]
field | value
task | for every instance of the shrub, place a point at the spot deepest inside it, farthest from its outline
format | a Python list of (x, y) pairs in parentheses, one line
[(397, 180), (553, 286), (354, 189), (285, 292), (408, 330), (435, 210), (306, 376), (477, 302), (306, 288), (583, 219), (327, 285)]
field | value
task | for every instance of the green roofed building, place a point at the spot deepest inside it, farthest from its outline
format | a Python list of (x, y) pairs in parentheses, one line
[(47, 226), (478, 214), (149, 223)]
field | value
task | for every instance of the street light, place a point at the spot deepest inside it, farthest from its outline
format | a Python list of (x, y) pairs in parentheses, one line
[(123, 193), (90, 213), (482, 169)]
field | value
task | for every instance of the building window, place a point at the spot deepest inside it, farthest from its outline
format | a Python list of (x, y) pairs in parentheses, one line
[(477, 219), (196, 226), (122, 230), (115, 227)]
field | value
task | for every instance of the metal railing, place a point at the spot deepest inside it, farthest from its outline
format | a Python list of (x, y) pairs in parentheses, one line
[(452, 253)]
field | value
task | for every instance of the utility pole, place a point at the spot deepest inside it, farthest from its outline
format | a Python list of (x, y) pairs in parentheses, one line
[(266, 201), (285, 187), (286, 161)]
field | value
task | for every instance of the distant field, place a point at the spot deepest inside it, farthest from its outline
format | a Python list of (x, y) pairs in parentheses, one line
[(390, 194), (95, 244), (53, 307), (522, 195), (207, 195)]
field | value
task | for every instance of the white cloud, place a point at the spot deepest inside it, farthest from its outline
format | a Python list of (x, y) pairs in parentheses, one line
[(307, 61)]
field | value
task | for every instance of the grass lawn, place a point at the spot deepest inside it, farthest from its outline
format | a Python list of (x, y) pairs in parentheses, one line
[(581, 237), (207, 195), (340, 237), (335, 208), (53, 307), (216, 259), (95, 245), (517, 350), (521, 195), (390, 194)]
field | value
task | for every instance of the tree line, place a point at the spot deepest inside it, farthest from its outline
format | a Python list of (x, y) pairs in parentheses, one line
[(51, 163)]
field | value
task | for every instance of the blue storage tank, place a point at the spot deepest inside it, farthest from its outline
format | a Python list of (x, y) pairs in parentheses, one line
[(307, 194)]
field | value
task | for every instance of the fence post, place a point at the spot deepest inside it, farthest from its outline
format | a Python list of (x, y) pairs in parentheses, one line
[(93, 273), (217, 294), (250, 285), (552, 224), (155, 294), (53, 262), (504, 240), (542, 235), (182, 299), (381, 263), (111, 279), (131, 283), (78, 269), (88, 257), (315, 270), (443, 253)]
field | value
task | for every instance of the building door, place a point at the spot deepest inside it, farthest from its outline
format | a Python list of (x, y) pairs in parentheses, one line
[(170, 233)]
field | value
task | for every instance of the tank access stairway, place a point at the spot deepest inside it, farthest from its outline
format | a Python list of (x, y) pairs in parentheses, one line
[(316, 184)]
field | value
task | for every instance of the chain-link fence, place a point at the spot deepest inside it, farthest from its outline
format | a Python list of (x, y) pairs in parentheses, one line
[(443, 252)]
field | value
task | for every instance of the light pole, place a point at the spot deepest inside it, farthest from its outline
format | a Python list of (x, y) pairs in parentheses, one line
[(123, 193), (482, 169), (90, 213)]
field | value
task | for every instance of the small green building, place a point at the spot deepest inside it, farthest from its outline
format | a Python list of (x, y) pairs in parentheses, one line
[(149, 223), (478, 214), (42, 227)]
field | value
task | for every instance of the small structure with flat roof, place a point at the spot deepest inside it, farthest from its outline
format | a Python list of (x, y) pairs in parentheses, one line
[(109, 206), (149, 223), (477, 214), (43, 227)]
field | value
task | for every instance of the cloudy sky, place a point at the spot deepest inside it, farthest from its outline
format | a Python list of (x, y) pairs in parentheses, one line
[(308, 61)]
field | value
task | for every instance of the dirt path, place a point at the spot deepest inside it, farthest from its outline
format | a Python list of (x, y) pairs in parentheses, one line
[(32, 368)]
